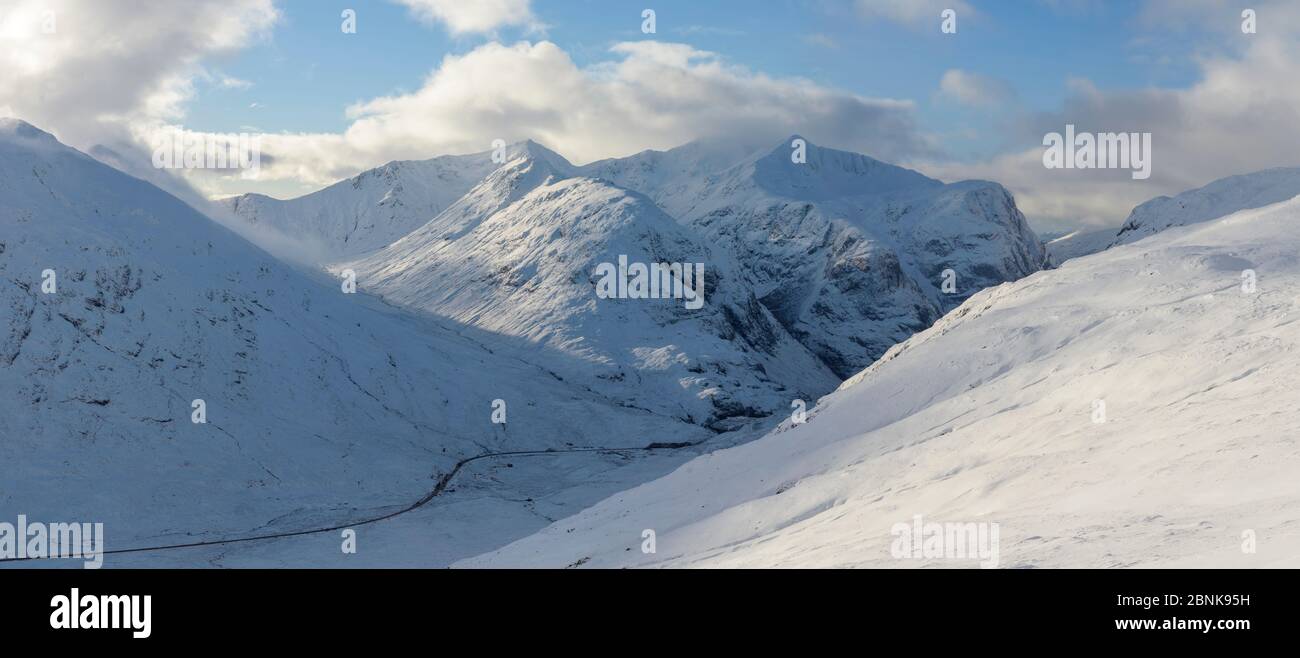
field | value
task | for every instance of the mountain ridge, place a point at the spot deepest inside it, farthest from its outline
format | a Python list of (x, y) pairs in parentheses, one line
[(1017, 411), (837, 265), (129, 314)]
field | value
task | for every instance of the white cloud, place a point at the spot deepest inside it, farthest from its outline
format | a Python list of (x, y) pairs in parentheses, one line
[(646, 95), (109, 63), (115, 75), (228, 82), (112, 74), (912, 13), (1221, 16), (822, 40), (1242, 116), (473, 16), (111, 71), (974, 89)]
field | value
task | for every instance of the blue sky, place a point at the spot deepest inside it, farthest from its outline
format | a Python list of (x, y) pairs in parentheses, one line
[(306, 74), (422, 78)]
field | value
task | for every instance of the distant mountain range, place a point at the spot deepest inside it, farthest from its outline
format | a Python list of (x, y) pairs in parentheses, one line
[(958, 381), (1221, 197), (814, 267), (318, 404)]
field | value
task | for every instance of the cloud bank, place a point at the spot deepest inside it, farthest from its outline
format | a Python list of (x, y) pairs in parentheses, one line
[(647, 95), (1242, 115), (111, 75)]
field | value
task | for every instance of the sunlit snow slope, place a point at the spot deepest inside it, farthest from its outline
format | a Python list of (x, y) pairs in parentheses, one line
[(320, 405), (517, 256), (849, 253), (990, 417), (815, 267), (1219, 198), (368, 211)]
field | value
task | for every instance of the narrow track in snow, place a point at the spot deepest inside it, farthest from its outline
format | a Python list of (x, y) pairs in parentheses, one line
[(438, 490)]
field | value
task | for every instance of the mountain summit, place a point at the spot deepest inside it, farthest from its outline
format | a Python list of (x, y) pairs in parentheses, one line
[(819, 260), (851, 255)]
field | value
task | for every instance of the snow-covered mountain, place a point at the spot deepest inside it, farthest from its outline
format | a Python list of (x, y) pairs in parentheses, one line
[(371, 210), (849, 253), (1122, 410), (121, 306), (518, 256), (1222, 197), (1219, 198), (1079, 243), (815, 269)]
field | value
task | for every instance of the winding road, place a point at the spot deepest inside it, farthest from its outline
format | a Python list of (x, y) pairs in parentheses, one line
[(437, 490)]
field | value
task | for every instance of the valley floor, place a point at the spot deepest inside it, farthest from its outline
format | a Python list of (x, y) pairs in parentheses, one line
[(489, 503)]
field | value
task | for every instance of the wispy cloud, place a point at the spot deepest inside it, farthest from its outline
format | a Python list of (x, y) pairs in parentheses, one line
[(227, 82), (974, 89), (822, 40), (916, 14), (473, 16), (708, 30)]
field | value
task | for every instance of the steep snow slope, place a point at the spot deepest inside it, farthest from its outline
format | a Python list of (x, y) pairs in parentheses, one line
[(991, 416), (518, 256), (319, 405), (1079, 243), (849, 253), (1222, 197), (839, 257), (371, 210)]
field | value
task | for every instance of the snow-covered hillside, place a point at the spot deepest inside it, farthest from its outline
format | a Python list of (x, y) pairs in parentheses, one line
[(1223, 196), (319, 405), (371, 210), (1079, 243), (1126, 409), (849, 253), (517, 255), (814, 268)]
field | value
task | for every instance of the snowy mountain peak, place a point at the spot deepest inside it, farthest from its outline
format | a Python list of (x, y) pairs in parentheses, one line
[(848, 252), (372, 209), (123, 311), (798, 168), (10, 126), (824, 252), (1219, 198), (20, 134), (520, 256), (531, 151)]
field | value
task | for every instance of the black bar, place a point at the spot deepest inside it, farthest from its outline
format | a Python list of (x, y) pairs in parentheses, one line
[(927, 608)]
